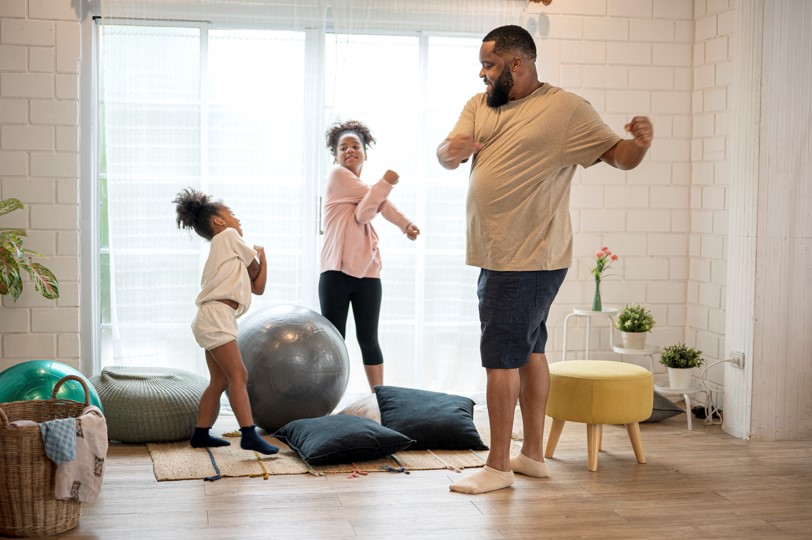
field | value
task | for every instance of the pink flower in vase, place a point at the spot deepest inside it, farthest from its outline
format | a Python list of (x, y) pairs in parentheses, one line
[(603, 261)]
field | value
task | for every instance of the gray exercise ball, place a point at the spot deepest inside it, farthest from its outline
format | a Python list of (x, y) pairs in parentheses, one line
[(297, 362)]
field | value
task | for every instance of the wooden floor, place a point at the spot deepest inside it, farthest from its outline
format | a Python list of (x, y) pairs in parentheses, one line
[(696, 484)]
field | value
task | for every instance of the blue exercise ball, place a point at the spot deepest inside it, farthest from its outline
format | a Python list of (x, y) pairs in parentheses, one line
[(35, 379), (297, 362)]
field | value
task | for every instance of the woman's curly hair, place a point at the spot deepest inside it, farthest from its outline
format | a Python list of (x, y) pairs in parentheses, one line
[(195, 210), (340, 128)]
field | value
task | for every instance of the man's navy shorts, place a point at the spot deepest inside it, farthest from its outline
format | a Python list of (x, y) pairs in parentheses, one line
[(513, 309)]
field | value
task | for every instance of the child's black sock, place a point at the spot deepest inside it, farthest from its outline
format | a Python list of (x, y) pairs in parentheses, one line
[(252, 441), (202, 439)]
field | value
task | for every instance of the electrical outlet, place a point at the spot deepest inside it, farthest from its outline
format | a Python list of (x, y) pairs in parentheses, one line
[(738, 359)]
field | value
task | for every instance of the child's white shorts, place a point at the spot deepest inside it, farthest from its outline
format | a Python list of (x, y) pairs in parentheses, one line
[(215, 324)]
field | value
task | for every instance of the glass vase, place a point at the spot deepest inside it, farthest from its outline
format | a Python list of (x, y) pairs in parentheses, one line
[(596, 300)]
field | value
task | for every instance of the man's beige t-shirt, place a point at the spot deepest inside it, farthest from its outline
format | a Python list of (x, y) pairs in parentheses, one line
[(518, 197)]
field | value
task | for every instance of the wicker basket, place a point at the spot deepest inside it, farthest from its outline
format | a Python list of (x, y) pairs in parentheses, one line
[(27, 503)]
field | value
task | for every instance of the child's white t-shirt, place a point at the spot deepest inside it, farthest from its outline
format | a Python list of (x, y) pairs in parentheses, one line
[(225, 275)]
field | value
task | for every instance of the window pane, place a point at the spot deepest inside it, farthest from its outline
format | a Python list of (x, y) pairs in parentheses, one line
[(151, 128), (106, 290), (104, 214), (166, 128), (410, 109), (450, 294), (453, 78), (224, 111), (386, 99), (255, 149), (148, 64)]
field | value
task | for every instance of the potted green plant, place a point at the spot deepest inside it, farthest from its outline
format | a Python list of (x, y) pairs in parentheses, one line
[(14, 258), (679, 359), (634, 322)]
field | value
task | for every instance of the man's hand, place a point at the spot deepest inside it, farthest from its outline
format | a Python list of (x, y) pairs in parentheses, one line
[(462, 147), (457, 149), (628, 153), (641, 129)]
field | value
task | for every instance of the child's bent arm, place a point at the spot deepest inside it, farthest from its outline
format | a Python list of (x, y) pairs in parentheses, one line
[(258, 271), (371, 203)]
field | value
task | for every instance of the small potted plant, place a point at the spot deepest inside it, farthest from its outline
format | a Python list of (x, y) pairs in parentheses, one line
[(634, 322), (14, 258), (679, 359)]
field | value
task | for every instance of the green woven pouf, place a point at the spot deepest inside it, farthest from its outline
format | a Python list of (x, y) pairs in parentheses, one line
[(149, 404)]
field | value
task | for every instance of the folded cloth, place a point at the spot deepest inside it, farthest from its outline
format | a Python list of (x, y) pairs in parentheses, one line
[(81, 479), (59, 439), (23, 423)]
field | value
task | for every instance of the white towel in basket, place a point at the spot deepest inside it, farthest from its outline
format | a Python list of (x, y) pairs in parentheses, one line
[(81, 479)]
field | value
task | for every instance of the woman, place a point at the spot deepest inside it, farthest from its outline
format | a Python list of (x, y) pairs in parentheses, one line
[(350, 260)]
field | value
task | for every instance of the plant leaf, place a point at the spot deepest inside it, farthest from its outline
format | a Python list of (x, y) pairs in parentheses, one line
[(45, 281), (9, 205), (9, 232), (32, 253), (10, 243), (10, 278), (13, 256)]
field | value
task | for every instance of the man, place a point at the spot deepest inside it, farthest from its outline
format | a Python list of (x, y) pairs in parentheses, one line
[(526, 138)]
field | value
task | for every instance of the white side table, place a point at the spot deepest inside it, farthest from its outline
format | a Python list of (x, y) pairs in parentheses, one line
[(685, 392), (649, 351), (607, 312)]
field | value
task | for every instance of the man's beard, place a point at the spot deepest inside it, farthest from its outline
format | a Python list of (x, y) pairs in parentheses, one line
[(500, 89)]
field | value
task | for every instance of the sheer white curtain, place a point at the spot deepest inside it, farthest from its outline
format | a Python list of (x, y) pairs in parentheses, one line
[(463, 16), (209, 95), (421, 79), (234, 98), (279, 13)]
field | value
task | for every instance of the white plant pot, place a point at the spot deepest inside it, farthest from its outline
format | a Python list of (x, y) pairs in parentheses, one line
[(633, 340), (679, 377)]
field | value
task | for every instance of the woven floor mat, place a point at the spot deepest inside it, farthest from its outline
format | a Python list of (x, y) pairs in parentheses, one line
[(179, 461)]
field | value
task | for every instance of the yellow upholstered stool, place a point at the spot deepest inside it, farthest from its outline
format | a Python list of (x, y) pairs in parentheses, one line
[(597, 392)]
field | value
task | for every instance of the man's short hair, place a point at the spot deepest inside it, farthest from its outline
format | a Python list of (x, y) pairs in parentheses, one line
[(512, 38)]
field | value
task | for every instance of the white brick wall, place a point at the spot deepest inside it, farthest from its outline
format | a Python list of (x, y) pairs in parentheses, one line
[(712, 55), (667, 219), (27, 32), (40, 59), (39, 109), (630, 57), (27, 137)]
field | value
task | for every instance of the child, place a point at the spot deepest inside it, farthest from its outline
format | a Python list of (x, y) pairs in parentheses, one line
[(232, 272), (350, 259)]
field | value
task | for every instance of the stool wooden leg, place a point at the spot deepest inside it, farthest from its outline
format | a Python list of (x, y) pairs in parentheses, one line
[(593, 438), (552, 438), (637, 442), (600, 437)]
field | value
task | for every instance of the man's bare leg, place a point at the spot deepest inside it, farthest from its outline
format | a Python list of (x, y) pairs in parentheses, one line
[(502, 395), (534, 389)]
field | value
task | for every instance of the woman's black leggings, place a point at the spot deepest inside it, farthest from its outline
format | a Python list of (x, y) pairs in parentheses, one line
[(337, 291)]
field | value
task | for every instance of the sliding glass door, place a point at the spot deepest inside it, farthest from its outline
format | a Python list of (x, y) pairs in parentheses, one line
[(241, 114)]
